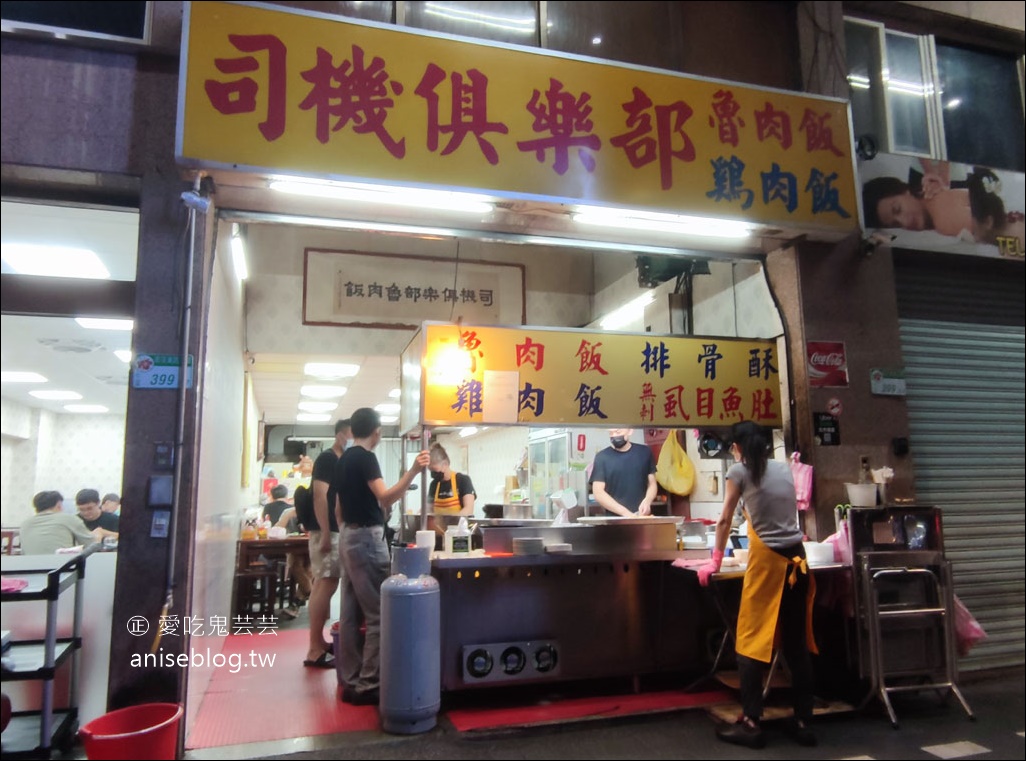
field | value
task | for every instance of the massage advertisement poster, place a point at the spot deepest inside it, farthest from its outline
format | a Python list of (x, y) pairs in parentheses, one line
[(929, 205)]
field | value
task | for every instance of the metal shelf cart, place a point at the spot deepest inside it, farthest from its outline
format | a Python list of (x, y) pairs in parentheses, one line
[(905, 603), (33, 734)]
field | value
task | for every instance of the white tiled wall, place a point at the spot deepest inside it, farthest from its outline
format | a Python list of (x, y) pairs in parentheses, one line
[(42, 450)]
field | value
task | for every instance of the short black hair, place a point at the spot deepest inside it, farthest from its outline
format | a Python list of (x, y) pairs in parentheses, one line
[(112, 497), (85, 496), (45, 500), (342, 425), (364, 422), (279, 491), (875, 191)]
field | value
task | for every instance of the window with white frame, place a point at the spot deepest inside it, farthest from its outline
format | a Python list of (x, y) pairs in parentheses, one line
[(912, 94)]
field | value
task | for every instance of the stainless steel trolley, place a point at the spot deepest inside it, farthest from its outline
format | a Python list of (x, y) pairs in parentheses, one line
[(905, 601)]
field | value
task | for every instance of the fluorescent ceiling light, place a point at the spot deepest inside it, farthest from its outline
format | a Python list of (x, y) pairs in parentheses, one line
[(394, 393), (389, 419), (17, 376), (330, 370), (239, 257), (56, 396), (469, 431), (311, 417), (323, 392), (629, 312), (54, 261), (94, 408), (317, 406), (517, 24), (442, 200), (670, 223), (99, 323), (322, 439), (388, 408), (125, 355)]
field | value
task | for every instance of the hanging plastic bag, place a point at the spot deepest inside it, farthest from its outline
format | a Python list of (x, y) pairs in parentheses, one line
[(674, 470), (802, 474), (967, 629)]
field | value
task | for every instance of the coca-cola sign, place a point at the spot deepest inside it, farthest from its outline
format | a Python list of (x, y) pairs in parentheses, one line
[(827, 363)]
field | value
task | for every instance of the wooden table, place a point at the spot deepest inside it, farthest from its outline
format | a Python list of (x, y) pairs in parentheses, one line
[(272, 554)]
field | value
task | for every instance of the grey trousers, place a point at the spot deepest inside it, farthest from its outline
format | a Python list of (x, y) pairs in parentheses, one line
[(366, 564)]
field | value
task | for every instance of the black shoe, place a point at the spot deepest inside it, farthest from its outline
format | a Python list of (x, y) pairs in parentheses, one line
[(799, 731), (743, 732), (369, 698)]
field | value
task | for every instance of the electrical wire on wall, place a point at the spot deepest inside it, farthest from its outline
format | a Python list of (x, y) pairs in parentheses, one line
[(455, 281), (194, 202)]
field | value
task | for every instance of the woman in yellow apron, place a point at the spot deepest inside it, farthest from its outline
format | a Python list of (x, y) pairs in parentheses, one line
[(776, 600), (451, 493)]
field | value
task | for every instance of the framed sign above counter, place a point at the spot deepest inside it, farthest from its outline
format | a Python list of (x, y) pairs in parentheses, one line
[(351, 288)]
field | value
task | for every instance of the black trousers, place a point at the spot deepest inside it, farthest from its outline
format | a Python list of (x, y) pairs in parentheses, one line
[(791, 627)]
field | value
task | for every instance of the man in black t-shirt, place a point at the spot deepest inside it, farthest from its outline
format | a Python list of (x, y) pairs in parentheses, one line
[(88, 503), (273, 510), (361, 505), (623, 478), (324, 560)]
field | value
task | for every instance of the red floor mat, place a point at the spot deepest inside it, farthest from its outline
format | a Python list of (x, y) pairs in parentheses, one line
[(469, 719), (284, 700)]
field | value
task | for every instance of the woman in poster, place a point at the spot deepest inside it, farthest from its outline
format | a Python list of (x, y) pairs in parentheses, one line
[(971, 210)]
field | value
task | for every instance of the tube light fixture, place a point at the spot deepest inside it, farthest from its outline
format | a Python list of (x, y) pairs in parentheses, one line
[(388, 408), (629, 312), (388, 419), (17, 376), (322, 392), (317, 406), (330, 370), (101, 323), (312, 417), (55, 395), (87, 408), (54, 261), (468, 431), (442, 200), (631, 219), (239, 254)]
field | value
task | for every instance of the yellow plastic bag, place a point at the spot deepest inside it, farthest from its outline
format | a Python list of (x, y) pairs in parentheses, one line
[(674, 470)]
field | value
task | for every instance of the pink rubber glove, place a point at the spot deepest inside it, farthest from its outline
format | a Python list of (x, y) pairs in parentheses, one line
[(710, 568)]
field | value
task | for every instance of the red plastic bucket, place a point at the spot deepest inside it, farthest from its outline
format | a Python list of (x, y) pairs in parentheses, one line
[(147, 731)]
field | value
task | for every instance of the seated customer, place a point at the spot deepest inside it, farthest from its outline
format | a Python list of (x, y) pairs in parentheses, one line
[(111, 503), (273, 510), (50, 529), (103, 524)]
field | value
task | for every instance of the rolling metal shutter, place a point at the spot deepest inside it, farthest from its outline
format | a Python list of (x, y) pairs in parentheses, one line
[(963, 338)]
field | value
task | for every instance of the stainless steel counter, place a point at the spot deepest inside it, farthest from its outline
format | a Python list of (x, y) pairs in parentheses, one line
[(614, 607)]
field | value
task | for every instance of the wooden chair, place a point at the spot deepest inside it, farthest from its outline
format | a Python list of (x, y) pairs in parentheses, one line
[(11, 541)]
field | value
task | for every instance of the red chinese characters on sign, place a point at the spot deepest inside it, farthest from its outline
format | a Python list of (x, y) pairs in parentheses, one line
[(591, 357), (468, 111), (240, 96), (827, 363), (818, 136), (353, 89), (725, 110), (773, 123), (353, 92), (564, 117), (641, 148), (531, 353)]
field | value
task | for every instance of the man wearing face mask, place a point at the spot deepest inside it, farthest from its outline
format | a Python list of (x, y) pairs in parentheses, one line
[(451, 493), (623, 477)]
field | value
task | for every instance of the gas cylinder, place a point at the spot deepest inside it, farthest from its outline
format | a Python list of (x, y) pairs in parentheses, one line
[(411, 669)]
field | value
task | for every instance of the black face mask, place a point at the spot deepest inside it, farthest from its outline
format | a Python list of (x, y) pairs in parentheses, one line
[(617, 441), (437, 475)]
